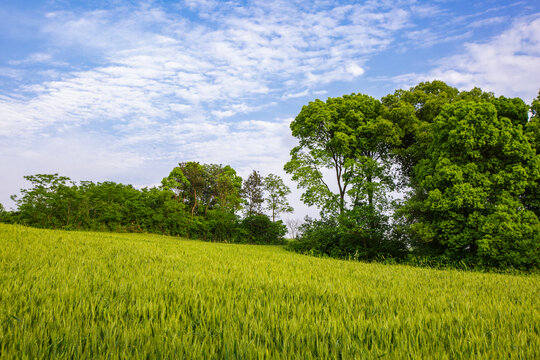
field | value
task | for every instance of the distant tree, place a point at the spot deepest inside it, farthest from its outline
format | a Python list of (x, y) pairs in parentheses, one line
[(194, 173), (177, 183), (46, 203), (276, 200), (253, 193), (188, 183), (212, 192), (227, 189)]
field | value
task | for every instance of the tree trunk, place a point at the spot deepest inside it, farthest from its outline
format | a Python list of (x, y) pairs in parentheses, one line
[(194, 202)]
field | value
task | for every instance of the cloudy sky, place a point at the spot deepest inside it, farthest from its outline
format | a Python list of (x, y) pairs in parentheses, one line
[(124, 90)]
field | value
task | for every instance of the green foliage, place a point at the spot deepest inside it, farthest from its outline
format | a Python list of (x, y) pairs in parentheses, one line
[(532, 131), (470, 174), (318, 237), (4, 215), (222, 226), (195, 201), (469, 165), (413, 111), (259, 229), (345, 239), (468, 197), (137, 296)]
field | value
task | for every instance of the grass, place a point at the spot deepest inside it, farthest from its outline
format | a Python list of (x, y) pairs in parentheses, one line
[(103, 295)]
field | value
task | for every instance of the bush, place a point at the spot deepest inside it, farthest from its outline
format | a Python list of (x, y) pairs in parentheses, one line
[(329, 237), (259, 229), (318, 237), (3, 214)]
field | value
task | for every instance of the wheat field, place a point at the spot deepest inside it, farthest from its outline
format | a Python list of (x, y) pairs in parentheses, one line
[(104, 295)]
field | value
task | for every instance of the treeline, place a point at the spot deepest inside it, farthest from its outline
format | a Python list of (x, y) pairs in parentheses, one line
[(202, 201), (466, 163)]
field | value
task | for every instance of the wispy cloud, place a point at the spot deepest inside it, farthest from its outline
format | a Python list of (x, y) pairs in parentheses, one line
[(148, 58), (488, 22)]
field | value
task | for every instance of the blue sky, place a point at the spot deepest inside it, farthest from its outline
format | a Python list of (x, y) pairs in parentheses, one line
[(124, 90)]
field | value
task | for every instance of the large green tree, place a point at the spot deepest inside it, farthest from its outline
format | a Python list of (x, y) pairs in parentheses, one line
[(188, 182), (212, 192), (413, 111), (467, 201)]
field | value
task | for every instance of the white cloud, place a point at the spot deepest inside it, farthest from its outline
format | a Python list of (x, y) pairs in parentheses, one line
[(355, 70), (296, 95), (33, 58), (508, 64)]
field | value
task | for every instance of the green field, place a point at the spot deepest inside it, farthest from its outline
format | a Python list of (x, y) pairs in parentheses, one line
[(87, 295)]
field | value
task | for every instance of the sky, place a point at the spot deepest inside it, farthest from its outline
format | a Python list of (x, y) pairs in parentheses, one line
[(125, 90)]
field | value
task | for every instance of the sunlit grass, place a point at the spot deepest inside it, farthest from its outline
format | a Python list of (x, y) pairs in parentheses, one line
[(88, 295)]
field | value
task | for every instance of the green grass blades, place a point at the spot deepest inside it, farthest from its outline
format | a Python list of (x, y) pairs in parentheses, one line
[(104, 295)]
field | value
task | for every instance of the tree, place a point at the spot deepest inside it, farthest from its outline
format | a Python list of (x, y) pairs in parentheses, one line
[(228, 186), (46, 203), (294, 226), (177, 183), (188, 182), (276, 202), (3, 213), (347, 136), (468, 198), (252, 192), (532, 131), (212, 192)]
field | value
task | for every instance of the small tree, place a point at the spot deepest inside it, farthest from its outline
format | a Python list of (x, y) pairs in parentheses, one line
[(252, 192), (294, 227), (276, 202)]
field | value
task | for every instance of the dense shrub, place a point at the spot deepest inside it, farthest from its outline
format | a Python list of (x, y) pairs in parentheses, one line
[(259, 229), (334, 238)]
